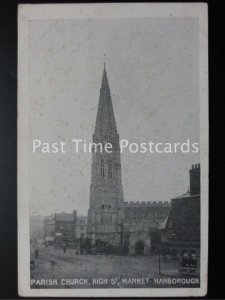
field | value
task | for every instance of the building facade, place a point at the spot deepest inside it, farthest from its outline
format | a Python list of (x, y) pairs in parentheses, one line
[(65, 226), (110, 219), (49, 227), (106, 192), (181, 231), (141, 225), (36, 227), (81, 227)]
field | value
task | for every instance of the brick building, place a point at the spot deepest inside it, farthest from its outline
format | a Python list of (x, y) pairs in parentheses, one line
[(181, 231), (81, 227), (49, 228), (65, 227)]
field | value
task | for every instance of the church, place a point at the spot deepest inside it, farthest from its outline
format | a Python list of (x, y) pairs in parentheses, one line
[(110, 219)]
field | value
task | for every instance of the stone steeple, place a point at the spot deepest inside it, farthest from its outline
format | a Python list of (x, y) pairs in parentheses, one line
[(105, 121), (106, 191)]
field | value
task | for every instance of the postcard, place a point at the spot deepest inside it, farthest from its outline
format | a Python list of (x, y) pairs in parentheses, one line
[(112, 150)]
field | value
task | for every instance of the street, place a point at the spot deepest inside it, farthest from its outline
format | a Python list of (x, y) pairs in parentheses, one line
[(55, 269)]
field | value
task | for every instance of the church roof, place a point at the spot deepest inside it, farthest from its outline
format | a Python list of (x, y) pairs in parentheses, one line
[(105, 121)]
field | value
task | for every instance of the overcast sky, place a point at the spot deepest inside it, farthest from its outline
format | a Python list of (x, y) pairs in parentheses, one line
[(152, 67)]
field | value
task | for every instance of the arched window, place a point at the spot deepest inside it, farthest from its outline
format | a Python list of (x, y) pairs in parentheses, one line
[(110, 175), (102, 169)]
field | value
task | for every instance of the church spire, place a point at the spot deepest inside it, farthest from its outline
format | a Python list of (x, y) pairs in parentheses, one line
[(105, 121)]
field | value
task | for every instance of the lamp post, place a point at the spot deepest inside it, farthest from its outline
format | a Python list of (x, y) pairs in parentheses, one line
[(159, 259), (159, 245), (121, 233)]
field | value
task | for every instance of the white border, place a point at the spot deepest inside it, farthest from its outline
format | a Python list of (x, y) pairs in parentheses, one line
[(86, 11)]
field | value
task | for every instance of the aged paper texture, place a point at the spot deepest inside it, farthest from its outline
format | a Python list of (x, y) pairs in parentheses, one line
[(112, 150)]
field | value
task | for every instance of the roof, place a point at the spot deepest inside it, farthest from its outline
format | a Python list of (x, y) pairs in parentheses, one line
[(186, 195), (66, 217)]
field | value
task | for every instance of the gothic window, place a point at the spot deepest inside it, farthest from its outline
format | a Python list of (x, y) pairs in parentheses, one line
[(110, 175), (102, 169)]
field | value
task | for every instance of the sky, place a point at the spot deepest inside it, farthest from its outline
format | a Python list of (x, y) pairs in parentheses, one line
[(152, 68)]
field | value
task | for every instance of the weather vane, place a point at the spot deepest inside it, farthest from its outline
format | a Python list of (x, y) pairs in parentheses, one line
[(104, 59)]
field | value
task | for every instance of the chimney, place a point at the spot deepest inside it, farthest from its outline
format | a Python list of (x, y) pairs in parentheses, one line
[(195, 179), (75, 215)]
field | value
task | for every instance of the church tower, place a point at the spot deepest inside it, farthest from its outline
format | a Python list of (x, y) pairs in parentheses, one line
[(106, 191)]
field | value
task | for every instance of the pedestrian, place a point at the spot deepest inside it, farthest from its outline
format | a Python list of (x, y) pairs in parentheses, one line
[(193, 261), (64, 249), (185, 260), (36, 251)]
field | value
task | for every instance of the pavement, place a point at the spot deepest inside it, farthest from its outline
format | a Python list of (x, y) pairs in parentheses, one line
[(68, 270)]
